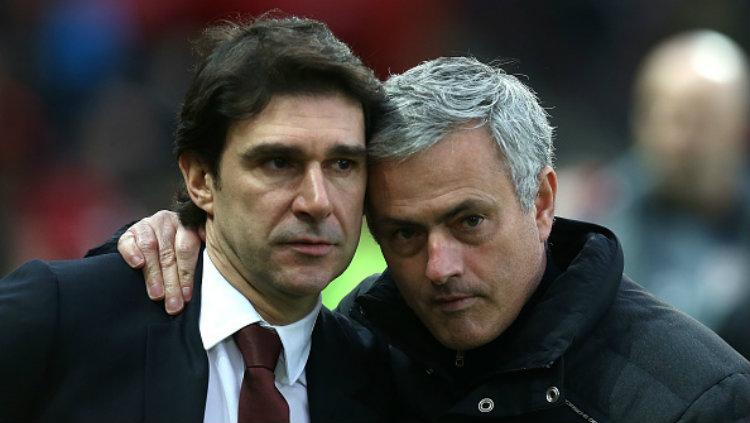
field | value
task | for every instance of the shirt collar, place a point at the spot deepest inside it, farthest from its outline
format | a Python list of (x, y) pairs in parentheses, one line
[(224, 311)]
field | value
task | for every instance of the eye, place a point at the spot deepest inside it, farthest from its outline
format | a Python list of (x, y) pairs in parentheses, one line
[(405, 241), (404, 234), (472, 221), (278, 163), (344, 165)]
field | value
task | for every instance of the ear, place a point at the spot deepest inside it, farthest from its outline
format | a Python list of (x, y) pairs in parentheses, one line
[(199, 182), (544, 204)]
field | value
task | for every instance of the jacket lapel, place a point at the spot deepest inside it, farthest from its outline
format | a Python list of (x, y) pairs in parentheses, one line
[(176, 374)]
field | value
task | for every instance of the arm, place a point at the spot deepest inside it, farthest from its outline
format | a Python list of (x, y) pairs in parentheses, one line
[(28, 324)]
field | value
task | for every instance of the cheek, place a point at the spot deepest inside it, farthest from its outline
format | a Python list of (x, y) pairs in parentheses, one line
[(499, 274), (354, 199), (487, 264), (406, 273), (351, 211), (349, 199)]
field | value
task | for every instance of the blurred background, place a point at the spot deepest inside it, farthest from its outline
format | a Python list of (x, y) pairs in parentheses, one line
[(652, 127)]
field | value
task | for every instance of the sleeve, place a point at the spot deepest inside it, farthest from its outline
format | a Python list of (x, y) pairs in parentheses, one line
[(727, 401), (28, 320), (110, 245)]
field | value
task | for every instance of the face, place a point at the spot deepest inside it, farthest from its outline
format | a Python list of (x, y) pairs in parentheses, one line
[(285, 217), (691, 132), (464, 255)]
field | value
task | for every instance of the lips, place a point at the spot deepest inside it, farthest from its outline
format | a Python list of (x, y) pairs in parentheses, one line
[(311, 247), (454, 302)]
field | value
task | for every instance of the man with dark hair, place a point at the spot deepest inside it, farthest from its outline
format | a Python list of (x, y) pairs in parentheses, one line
[(271, 146), (495, 310)]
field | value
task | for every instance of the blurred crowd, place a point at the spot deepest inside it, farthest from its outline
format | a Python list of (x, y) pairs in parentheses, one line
[(679, 197), (650, 104)]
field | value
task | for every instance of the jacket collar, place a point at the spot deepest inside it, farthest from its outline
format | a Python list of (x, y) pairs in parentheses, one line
[(561, 310)]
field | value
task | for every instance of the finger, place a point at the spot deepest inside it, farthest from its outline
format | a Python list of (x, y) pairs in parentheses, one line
[(128, 248), (164, 225), (145, 240), (187, 247)]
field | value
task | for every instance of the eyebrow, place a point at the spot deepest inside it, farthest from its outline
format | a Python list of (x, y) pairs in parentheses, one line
[(354, 151), (262, 151), (274, 149), (461, 207)]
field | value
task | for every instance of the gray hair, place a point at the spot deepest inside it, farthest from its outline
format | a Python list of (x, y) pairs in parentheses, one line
[(437, 97)]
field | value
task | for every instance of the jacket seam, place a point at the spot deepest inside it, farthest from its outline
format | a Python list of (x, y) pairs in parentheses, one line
[(54, 346), (579, 412), (719, 382)]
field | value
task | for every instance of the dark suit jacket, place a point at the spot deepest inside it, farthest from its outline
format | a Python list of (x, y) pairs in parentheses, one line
[(80, 341)]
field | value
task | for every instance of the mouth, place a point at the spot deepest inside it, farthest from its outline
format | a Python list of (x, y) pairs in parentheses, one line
[(454, 302), (312, 248)]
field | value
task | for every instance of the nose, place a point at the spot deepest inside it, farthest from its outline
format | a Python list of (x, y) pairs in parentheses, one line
[(444, 260), (312, 200)]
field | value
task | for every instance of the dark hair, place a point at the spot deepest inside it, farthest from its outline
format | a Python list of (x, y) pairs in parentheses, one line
[(243, 65)]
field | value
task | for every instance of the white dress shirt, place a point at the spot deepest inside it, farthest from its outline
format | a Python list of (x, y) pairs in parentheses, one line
[(224, 311)]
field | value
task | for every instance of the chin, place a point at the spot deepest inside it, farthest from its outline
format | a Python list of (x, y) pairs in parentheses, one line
[(307, 287), (464, 344), (464, 338)]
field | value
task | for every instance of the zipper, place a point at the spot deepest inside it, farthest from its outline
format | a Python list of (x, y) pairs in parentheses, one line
[(459, 359), (579, 412)]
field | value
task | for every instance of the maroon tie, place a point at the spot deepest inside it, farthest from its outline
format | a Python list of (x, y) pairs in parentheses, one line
[(260, 401)]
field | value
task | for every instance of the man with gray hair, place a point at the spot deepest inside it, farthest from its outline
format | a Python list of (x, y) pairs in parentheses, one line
[(493, 308)]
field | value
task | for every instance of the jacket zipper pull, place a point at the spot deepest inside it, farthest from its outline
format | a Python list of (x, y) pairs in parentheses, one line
[(459, 359)]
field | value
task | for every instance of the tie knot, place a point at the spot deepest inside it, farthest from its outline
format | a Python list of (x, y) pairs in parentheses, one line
[(259, 347)]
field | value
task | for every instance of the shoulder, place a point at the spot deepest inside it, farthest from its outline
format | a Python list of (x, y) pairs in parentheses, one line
[(648, 359), (97, 267), (81, 270), (337, 329), (70, 290), (650, 328), (35, 303), (28, 300), (348, 377)]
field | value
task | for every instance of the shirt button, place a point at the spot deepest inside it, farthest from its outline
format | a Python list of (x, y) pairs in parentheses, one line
[(486, 405), (553, 394)]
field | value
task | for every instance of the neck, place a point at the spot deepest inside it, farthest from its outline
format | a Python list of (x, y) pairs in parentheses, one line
[(274, 306)]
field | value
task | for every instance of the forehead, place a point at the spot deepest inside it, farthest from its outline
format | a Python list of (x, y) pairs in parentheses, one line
[(465, 166), (304, 119)]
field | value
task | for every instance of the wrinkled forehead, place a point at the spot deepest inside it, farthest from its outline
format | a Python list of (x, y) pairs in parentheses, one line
[(463, 162)]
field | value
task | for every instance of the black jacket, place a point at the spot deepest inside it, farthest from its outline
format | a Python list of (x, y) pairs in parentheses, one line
[(81, 342), (590, 345)]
